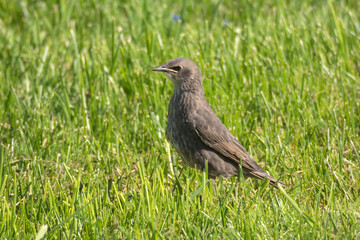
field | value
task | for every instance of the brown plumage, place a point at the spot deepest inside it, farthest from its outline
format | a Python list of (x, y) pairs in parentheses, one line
[(197, 133)]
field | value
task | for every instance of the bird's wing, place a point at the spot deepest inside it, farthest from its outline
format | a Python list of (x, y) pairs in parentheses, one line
[(214, 134)]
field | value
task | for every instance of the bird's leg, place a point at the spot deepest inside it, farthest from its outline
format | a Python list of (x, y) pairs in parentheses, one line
[(177, 182), (213, 182)]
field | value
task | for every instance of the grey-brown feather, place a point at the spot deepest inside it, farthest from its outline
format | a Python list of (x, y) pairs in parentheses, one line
[(197, 133)]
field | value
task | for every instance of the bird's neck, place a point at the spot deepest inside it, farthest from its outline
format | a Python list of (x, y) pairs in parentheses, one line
[(192, 90), (190, 85)]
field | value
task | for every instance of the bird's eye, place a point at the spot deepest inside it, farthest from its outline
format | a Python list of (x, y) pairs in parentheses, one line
[(176, 68)]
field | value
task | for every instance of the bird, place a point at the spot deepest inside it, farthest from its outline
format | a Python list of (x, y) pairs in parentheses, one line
[(196, 132)]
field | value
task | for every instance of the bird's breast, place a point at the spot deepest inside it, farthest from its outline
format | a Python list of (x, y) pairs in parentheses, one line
[(178, 131)]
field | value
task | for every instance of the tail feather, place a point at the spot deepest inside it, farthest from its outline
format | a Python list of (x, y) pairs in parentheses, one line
[(263, 175)]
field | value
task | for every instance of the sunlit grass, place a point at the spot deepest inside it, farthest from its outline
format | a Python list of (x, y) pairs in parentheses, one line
[(82, 118)]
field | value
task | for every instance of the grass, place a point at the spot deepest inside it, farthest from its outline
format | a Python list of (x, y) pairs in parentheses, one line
[(82, 118)]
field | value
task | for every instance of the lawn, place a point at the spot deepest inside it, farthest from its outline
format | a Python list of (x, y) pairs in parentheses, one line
[(83, 153)]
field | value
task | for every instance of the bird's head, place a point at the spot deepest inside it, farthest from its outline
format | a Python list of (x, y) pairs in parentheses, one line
[(183, 73)]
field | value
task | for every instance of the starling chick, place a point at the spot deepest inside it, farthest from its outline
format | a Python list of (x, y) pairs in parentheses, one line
[(197, 133)]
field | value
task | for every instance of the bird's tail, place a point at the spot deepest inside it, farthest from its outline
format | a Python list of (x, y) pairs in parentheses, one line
[(276, 183), (263, 175)]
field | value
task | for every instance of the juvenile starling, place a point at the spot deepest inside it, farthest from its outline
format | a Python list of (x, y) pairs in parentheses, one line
[(197, 133)]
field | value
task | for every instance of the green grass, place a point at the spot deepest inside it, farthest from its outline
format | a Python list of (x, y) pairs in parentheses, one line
[(82, 147)]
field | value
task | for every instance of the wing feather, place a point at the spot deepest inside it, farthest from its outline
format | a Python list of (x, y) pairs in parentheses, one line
[(214, 134)]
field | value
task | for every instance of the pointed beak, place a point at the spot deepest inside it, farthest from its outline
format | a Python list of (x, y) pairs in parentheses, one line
[(163, 69)]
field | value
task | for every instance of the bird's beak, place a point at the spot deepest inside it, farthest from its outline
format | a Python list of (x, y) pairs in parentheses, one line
[(163, 69)]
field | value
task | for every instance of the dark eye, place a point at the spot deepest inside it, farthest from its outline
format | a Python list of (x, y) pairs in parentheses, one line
[(176, 68)]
